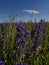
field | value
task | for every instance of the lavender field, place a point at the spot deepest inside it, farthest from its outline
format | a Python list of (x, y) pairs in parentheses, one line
[(24, 43)]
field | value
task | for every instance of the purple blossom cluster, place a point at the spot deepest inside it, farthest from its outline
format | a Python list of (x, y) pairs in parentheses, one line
[(21, 35), (21, 40), (41, 24), (38, 33)]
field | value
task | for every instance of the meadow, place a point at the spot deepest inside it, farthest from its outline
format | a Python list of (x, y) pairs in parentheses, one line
[(24, 43)]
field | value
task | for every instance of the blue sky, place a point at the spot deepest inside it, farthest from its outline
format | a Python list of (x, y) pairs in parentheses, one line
[(16, 6)]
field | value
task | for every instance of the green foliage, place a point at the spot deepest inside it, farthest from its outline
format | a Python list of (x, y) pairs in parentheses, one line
[(8, 50)]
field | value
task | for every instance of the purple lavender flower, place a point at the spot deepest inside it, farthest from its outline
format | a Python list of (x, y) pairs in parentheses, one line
[(37, 26), (17, 46), (23, 39), (19, 52), (23, 51), (18, 25), (38, 33), (41, 30), (28, 32), (22, 26), (40, 37), (23, 45), (22, 31), (18, 39), (28, 36), (24, 35)]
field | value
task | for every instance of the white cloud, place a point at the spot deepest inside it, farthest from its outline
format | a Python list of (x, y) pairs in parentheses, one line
[(31, 11)]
